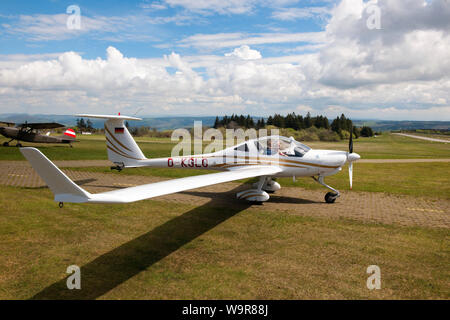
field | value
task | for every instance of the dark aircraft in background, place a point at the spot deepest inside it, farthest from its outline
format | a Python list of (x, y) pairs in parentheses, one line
[(29, 132)]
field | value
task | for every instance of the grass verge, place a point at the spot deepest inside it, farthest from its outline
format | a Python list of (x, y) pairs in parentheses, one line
[(156, 250)]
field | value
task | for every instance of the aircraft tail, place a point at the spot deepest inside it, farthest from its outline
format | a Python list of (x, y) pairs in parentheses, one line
[(68, 135), (121, 147), (64, 189)]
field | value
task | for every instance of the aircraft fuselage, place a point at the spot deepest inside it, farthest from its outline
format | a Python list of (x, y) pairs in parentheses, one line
[(30, 136), (315, 162)]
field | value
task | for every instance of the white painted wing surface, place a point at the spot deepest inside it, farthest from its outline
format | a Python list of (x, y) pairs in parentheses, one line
[(107, 116), (147, 191), (66, 190)]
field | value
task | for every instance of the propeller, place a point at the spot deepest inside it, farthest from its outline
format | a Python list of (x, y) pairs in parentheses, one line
[(351, 157), (350, 174), (350, 165), (350, 142)]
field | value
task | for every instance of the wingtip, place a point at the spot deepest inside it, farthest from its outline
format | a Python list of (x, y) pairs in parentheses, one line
[(25, 149), (107, 116)]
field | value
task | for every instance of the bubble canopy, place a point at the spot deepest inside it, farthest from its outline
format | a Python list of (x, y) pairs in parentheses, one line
[(271, 145)]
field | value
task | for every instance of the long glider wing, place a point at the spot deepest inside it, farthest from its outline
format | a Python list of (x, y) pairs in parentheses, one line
[(65, 190)]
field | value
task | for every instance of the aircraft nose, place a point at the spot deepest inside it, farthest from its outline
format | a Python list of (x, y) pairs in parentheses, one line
[(353, 157)]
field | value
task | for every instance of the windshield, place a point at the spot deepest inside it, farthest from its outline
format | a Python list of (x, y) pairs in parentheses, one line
[(282, 146)]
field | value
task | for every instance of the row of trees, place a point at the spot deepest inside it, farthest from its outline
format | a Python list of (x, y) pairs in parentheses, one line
[(298, 122), (144, 131), (367, 132), (291, 120), (339, 128), (238, 121), (340, 125), (84, 125)]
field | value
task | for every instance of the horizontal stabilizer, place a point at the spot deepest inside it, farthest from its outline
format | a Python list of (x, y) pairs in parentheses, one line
[(107, 117)]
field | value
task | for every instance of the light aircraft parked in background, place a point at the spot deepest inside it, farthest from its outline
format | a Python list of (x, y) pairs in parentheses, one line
[(29, 132), (266, 157)]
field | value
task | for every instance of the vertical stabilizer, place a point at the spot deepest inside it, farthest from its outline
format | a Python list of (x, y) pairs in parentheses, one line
[(121, 147)]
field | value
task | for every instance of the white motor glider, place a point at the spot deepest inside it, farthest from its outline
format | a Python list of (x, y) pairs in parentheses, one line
[(266, 157)]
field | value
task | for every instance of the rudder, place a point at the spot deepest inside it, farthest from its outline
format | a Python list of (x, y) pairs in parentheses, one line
[(121, 147)]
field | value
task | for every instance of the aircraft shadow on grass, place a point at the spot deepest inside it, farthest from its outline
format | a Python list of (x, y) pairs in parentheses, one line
[(84, 181), (78, 182), (273, 198), (122, 263)]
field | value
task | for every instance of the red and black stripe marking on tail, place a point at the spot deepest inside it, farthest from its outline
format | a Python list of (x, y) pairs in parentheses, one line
[(119, 130)]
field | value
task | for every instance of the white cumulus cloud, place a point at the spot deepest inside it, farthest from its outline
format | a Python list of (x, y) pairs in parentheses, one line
[(245, 53), (400, 71)]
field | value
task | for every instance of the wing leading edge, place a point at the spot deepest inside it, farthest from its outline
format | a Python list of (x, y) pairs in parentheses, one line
[(65, 190), (39, 125)]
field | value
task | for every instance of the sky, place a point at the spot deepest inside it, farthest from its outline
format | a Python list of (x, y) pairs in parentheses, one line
[(385, 59)]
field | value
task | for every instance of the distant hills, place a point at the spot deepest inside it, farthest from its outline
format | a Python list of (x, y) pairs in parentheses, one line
[(159, 123), (170, 123)]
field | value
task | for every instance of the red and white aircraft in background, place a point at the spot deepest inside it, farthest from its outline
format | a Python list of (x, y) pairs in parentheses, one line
[(29, 132), (266, 157)]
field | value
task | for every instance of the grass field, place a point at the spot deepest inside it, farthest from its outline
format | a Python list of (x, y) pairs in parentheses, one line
[(415, 179), (159, 249), (152, 250)]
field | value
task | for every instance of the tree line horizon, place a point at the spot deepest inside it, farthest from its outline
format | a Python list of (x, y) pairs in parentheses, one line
[(303, 127), (295, 122)]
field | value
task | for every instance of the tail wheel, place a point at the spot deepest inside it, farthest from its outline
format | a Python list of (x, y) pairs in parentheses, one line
[(330, 197)]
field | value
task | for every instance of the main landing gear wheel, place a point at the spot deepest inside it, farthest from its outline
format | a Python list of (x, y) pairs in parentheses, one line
[(19, 145), (5, 144), (331, 197)]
